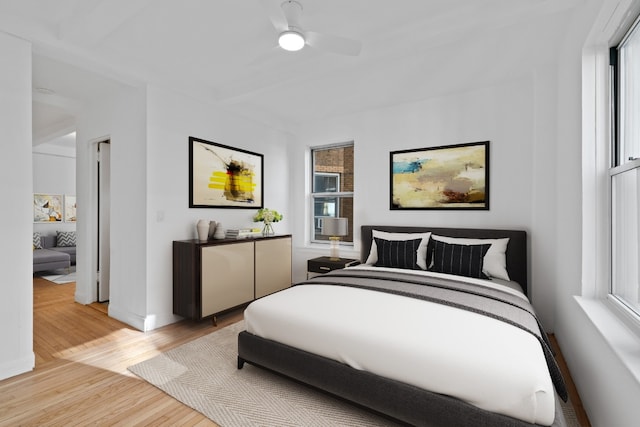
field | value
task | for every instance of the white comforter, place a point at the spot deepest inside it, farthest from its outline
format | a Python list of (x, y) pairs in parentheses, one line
[(488, 363)]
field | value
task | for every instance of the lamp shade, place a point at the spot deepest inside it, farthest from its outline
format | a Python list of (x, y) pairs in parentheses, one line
[(335, 226)]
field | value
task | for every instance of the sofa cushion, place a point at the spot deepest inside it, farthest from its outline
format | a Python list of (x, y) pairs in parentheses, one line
[(71, 251), (49, 255), (48, 259)]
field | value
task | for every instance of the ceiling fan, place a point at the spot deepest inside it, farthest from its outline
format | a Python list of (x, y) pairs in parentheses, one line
[(286, 19)]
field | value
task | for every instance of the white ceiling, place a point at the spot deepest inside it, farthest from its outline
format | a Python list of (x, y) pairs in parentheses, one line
[(224, 52)]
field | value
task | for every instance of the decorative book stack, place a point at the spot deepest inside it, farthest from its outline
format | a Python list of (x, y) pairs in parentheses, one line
[(242, 233)]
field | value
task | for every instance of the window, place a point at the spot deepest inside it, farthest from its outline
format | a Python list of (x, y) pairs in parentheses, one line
[(332, 188), (625, 171)]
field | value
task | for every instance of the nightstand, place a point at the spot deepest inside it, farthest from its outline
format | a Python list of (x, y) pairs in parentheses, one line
[(325, 264)]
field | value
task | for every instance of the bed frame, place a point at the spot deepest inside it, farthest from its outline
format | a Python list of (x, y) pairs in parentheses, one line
[(403, 402)]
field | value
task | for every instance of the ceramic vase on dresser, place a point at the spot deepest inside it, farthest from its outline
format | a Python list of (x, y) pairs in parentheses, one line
[(219, 234), (202, 226)]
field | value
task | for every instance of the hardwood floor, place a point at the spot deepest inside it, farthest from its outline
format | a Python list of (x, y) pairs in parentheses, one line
[(81, 375), (574, 397)]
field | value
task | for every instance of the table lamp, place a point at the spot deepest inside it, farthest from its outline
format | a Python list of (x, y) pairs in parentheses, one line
[(334, 228)]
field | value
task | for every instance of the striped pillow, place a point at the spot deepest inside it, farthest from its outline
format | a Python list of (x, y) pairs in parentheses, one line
[(397, 253), (461, 260), (66, 239)]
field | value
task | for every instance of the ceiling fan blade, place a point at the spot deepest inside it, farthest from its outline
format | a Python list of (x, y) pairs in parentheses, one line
[(276, 14), (335, 44)]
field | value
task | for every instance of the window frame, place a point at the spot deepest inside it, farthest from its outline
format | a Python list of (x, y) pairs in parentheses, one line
[(618, 165), (313, 195)]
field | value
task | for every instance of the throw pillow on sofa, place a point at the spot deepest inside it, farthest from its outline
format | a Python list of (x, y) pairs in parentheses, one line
[(66, 239), (37, 243)]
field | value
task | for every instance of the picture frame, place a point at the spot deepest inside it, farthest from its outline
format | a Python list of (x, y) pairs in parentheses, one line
[(448, 177), (70, 208), (221, 176), (47, 208)]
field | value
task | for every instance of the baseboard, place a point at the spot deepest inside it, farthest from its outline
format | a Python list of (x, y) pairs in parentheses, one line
[(154, 321), (129, 318), (17, 367), (142, 323), (83, 298)]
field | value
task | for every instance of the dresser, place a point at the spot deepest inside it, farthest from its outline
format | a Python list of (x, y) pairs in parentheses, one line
[(210, 278)]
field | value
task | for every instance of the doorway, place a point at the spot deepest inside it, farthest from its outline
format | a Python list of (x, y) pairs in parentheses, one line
[(104, 217)]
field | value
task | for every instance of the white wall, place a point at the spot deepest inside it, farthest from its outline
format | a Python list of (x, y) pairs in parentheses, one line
[(16, 259), (504, 114), (504, 90), (510, 102), (149, 130), (602, 353), (172, 118), (54, 174), (120, 118)]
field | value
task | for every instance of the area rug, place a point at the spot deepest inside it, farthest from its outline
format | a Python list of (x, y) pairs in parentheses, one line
[(60, 276), (203, 375)]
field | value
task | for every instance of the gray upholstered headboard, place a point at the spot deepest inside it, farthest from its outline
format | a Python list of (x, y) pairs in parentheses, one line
[(516, 250)]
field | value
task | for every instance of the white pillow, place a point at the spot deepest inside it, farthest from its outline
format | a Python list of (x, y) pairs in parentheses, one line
[(494, 263), (421, 253)]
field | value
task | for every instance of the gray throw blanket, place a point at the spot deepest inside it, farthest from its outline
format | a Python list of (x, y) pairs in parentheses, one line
[(489, 302)]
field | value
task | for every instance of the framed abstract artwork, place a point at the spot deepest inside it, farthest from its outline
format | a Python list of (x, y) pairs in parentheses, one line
[(446, 177), (47, 207), (224, 177), (69, 208)]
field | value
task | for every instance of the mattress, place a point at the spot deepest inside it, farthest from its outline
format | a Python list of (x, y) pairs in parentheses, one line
[(480, 360)]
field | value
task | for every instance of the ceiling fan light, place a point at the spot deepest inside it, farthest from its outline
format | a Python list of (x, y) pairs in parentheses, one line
[(291, 40)]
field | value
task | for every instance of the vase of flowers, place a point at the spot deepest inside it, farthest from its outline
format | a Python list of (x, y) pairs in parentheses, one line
[(268, 216)]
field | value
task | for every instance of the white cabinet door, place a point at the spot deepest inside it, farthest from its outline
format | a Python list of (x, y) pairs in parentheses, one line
[(227, 276), (273, 265)]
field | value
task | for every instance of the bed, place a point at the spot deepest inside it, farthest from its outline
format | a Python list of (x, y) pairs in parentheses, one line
[(415, 336)]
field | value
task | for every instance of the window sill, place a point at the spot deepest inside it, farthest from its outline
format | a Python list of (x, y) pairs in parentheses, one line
[(625, 314), (617, 333)]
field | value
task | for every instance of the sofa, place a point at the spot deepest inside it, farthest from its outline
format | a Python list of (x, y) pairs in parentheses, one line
[(48, 255)]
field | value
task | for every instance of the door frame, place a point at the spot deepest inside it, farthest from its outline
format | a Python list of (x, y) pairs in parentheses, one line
[(103, 190)]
